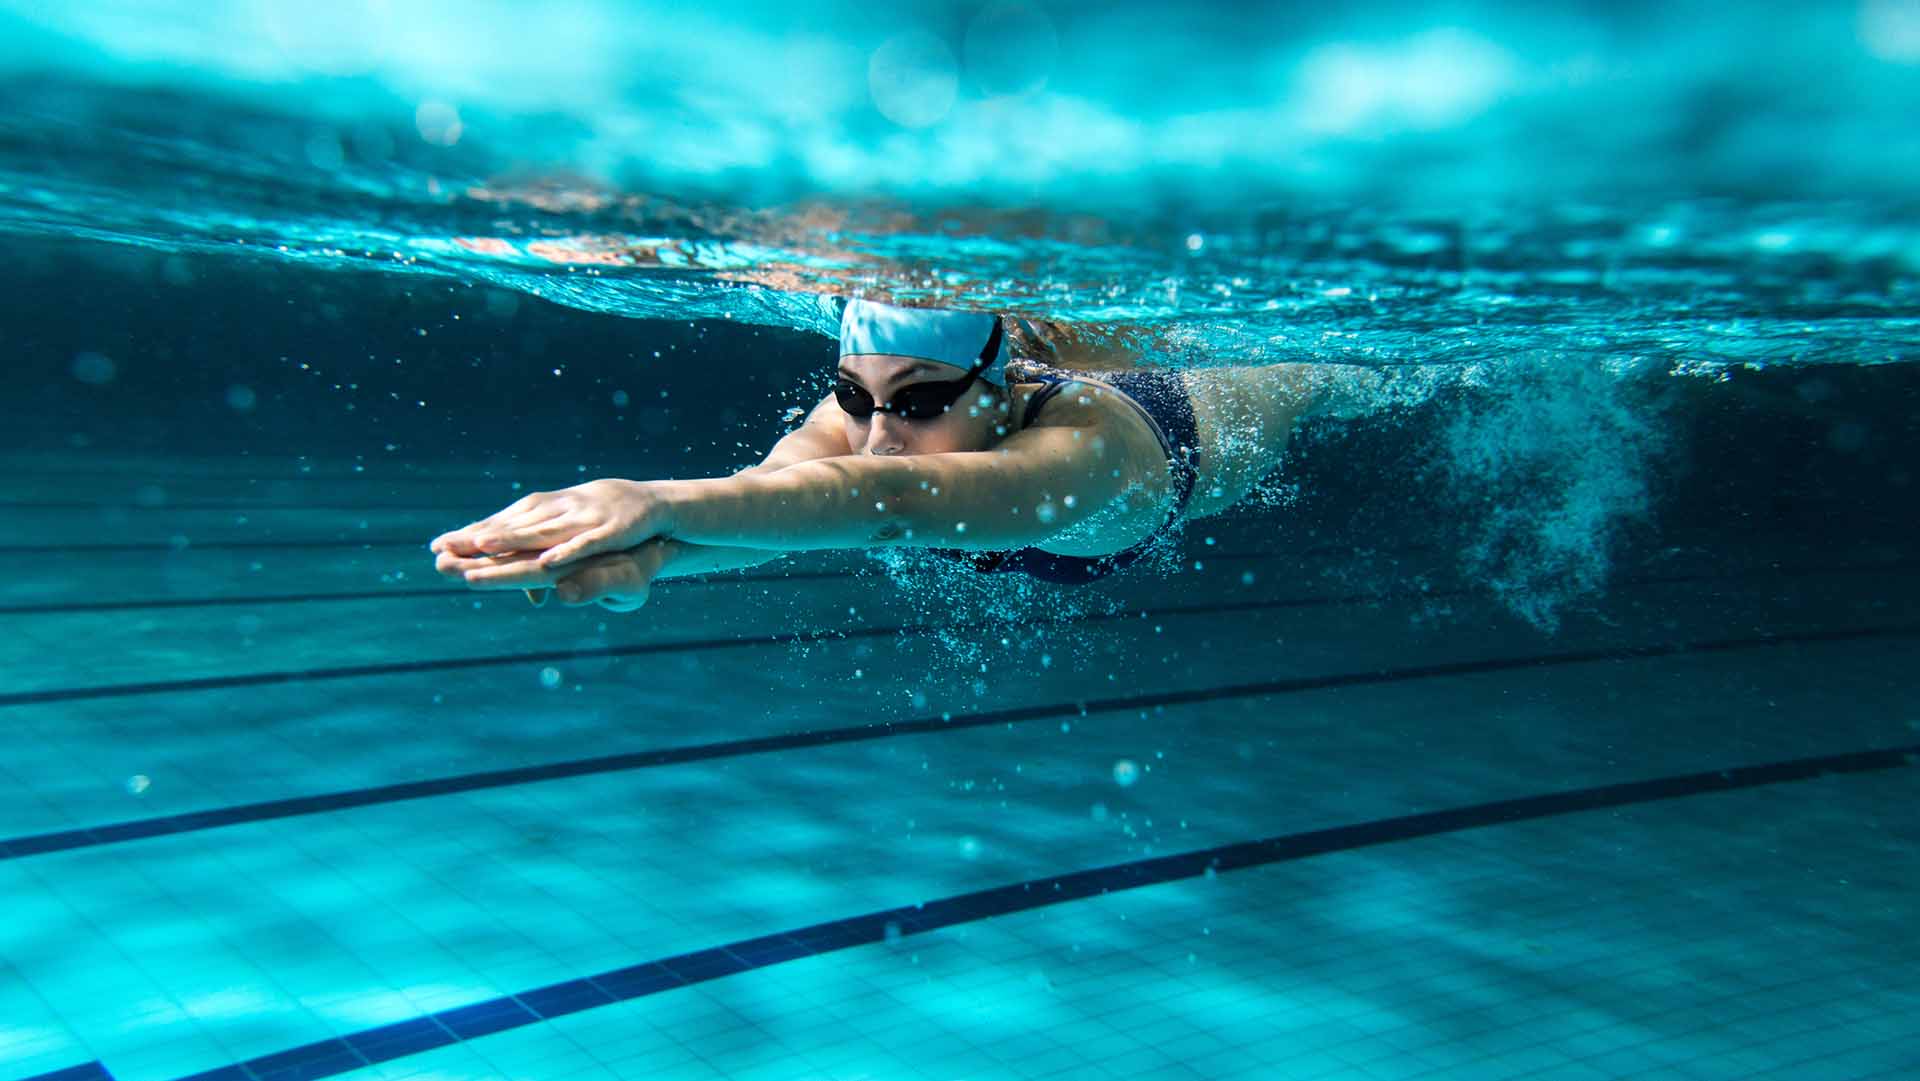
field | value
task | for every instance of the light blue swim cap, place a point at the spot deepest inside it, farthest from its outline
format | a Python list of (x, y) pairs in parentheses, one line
[(959, 339)]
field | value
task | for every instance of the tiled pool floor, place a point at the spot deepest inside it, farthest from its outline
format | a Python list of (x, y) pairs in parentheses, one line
[(490, 801)]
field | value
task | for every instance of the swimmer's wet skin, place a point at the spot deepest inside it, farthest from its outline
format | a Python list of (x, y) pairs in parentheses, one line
[(1067, 477)]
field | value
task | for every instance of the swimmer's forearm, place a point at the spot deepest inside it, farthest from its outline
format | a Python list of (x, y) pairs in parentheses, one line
[(851, 502)]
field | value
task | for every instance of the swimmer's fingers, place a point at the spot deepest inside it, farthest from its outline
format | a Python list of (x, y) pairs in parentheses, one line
[(450, 565), (515, 570), (591, 543), (535, 535), (457, 542), (461, 541), (533, 531)]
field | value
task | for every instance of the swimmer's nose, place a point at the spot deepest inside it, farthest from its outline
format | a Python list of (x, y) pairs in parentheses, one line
[(887, 435)]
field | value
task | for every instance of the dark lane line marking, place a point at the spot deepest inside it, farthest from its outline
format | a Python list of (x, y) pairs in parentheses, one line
[(364, 595), (87, 1071), (194, 821), (142, 508), (245, 600), (328, 1058), (692, 645), (416, 543), (354, 543), (261, 679), (720, 578), (218, 546)]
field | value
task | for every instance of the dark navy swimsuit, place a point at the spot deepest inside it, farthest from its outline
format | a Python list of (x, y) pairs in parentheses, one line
[(1162, 399)]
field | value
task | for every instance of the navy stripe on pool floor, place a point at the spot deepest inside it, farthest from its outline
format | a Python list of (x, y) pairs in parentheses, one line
[(90, 1071), (720, 578), (327, 1058), (262, 679), (345, 539), (362, 671), (194, 821), (133, 507), (48, 608), (141, 604)]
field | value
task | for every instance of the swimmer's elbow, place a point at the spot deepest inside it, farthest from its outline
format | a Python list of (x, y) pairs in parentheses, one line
[(908, 516), (888, 510)]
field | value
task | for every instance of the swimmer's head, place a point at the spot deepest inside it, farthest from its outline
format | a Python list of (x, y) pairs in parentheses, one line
[(920, 380), (968, 342)]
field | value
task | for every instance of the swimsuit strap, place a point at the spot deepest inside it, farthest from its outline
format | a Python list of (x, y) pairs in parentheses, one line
[(1054, 385), (1181, 444)]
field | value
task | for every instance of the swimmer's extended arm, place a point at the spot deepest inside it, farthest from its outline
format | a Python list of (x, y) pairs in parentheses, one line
[(1037, 484)]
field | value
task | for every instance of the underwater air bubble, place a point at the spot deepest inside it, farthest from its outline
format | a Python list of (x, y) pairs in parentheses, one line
[(95, 369), (1848, 437), (176, 271), (549, 678), (1890, 30), (437, 122), (1011, 49), (913, 79), (138, 784), (1125, 772), (324, 151)]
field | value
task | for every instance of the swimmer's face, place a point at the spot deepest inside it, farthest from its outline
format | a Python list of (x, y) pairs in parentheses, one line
[(975, 422)]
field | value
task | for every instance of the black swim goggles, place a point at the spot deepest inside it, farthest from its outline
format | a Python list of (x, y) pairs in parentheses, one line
[(916, 401)]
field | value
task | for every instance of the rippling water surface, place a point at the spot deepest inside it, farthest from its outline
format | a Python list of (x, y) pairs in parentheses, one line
[(1686, 186)]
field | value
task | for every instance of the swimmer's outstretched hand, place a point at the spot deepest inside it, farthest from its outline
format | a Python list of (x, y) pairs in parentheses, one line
[(559, 528), (617, 581)]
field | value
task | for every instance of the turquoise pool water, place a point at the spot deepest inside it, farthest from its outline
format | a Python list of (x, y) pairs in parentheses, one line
[(1550, 714)]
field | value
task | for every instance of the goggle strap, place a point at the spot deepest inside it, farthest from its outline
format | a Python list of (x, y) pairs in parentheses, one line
[(988, 353)]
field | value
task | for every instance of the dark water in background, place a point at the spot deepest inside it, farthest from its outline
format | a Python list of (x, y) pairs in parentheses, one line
[(212, 357)]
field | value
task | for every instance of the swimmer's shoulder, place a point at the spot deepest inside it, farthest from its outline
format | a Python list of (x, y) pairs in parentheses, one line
[(1111, 422), (1084, 403)]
